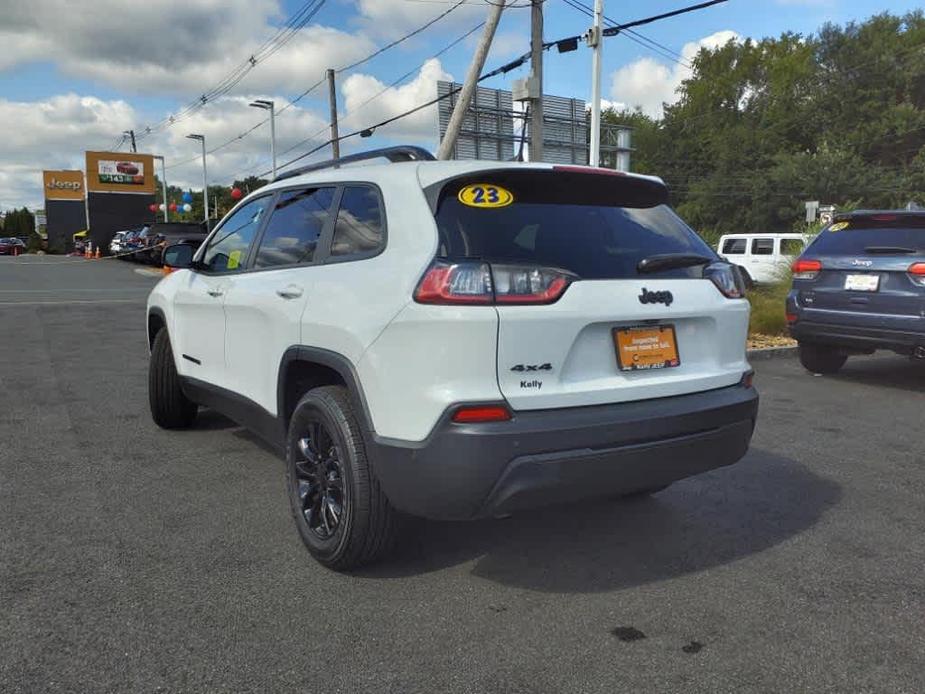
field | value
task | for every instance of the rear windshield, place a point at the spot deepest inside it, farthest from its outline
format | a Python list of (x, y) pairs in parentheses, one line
[(595, 226), (856, 236)]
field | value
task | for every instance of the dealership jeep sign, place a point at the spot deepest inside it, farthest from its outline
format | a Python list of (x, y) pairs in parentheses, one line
[(63, 185)]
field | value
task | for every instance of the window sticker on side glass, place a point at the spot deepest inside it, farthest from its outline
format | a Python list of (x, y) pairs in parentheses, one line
[(485, 195)]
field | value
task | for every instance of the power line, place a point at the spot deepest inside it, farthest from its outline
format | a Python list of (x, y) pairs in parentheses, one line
[(292, 102), (283, 36)]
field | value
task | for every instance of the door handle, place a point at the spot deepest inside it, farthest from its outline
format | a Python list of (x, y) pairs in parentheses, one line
[(215, 292), (290, 292)]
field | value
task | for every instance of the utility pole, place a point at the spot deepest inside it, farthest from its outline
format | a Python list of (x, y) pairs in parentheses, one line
[(597, 45), (472, 78), (536, 63), (332, 98), (131, 133)]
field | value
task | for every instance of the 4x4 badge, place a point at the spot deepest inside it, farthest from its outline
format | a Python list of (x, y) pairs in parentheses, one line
[(648, 297)]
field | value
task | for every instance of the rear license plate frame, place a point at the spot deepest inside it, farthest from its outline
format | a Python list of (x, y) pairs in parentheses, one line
[(857, 282), (625, 360)]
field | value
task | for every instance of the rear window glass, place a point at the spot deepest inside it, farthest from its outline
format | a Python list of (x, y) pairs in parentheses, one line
[(734, 246), (855, 236), (596, 226)]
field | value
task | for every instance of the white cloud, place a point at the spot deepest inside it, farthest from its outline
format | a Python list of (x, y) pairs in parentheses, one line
[(418, 127), (54, 133), (649, 84)]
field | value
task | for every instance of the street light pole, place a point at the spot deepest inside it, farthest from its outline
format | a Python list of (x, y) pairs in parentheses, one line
[(163, 182), (270, 106), (205, 177), (596, 44)]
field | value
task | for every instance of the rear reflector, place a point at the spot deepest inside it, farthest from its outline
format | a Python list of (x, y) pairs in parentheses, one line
[(748, 378), (791, 318), (806, 269), (481, 413)]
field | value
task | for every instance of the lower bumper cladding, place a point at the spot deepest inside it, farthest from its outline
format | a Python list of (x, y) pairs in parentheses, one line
[(544, 457)]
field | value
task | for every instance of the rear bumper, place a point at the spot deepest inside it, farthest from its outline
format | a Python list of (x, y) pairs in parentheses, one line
[(853, 337), (551, 456)]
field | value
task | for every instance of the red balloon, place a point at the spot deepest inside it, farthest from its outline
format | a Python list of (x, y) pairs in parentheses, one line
[(173, 207), (152, 207), (236, 194)]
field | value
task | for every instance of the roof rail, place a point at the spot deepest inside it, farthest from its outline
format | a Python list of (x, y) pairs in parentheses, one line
[(393, 154)]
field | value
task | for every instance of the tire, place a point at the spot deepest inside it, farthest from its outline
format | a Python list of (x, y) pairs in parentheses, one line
[(367, 526), (170, 408), (820, 359)]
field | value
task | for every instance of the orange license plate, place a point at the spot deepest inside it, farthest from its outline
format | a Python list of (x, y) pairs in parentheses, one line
[(643, 348)]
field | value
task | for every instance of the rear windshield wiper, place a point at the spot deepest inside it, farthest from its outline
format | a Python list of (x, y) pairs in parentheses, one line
[(889, 250), (671, 261)]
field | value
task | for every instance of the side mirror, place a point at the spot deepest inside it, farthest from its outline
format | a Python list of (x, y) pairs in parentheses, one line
[(178, 256)]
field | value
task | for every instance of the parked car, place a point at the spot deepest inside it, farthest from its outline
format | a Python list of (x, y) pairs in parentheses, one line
[(142, 245), (115, 245), (10, 245), (165, 234), (131, 242), (860, 287), (456, 339), (763, 257)]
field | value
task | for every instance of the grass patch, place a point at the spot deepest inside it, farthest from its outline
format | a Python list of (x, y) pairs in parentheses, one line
[(768, 309)]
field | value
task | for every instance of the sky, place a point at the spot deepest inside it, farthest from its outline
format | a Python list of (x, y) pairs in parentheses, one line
[(74, 76)]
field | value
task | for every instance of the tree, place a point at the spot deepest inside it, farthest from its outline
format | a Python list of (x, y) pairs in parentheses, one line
[(760, 127)]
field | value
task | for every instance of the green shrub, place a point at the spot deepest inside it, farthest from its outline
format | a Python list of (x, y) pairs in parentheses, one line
[(768, 309)]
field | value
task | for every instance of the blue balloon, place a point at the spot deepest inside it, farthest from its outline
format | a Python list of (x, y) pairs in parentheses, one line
[(187, 197)]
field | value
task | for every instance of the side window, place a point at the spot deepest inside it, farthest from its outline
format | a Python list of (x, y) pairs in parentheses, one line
[(792, 247), (359, 226), (733, 247), (762, 246), (227, 250), (295, 226)]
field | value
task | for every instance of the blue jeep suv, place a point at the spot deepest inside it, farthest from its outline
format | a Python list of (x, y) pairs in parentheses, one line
[(859, 287)]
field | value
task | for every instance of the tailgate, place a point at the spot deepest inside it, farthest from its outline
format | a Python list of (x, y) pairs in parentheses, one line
[(564, 354)]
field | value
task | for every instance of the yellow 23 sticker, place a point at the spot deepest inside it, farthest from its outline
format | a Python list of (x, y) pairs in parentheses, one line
[(485, 195)]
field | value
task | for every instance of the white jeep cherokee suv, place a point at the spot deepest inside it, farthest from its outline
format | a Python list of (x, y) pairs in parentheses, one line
[(456, 339)]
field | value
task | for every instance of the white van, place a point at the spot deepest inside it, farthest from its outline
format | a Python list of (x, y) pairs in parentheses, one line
[(762, 256)]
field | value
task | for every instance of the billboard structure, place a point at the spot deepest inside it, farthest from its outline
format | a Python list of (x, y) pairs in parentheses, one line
[(65, 207), (493, 129), (120, 188)]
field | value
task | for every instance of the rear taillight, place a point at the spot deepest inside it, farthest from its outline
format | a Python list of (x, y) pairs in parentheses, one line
[(806, 269), (727, 278), (917, 273), (473, 414), (455, 283), (475, 283)]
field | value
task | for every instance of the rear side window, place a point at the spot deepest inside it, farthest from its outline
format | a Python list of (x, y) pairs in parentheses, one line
[(762, 246), (295, 227), (595, 226), (791, 247), (359, 227), (880, 233), (734, 246)]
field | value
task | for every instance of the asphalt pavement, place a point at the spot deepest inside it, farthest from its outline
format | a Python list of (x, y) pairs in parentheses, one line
[(135, 559)]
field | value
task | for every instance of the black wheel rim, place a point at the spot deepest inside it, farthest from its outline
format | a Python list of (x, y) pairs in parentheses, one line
[(320, 480)]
